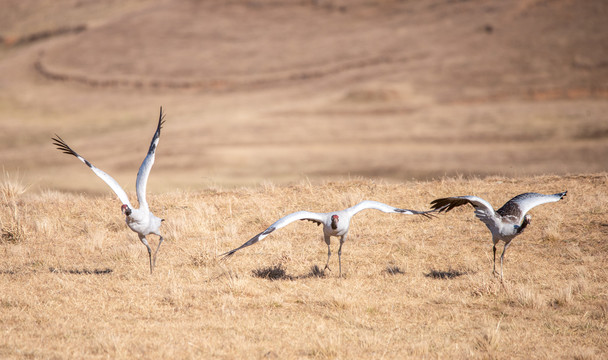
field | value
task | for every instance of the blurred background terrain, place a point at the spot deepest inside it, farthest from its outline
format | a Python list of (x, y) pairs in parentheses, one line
[(282, 91)]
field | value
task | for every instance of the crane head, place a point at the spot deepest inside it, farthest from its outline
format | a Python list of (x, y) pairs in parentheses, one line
[(334, 221), (527, 220), (125, 209)]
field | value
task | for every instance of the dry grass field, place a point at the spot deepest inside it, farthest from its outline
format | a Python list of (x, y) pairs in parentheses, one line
[(75, 284)]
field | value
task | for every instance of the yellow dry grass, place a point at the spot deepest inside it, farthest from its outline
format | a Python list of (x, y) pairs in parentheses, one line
[(75, 283)]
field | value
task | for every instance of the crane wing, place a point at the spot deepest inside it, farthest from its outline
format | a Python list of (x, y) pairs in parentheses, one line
[(376, 205), (146, 165), (483, 209), (448, 203), (521, 204), (282, 222), (61, 145)]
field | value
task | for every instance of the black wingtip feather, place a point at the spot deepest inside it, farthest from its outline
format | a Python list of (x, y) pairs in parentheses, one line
[(227, 254), (427, 214), (161, 119), (63, 147), (445, 204), (250, 242)]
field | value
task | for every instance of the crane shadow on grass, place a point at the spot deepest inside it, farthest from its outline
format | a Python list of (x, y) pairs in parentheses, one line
[(83, 271), (277, 272), (445, 274), (393, 270)]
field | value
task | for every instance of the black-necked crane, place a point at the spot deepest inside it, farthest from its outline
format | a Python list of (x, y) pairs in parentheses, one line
[(505, 223), (141, 220)]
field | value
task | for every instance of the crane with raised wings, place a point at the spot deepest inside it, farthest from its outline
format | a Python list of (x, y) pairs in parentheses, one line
[(505, 223), (141, 220)]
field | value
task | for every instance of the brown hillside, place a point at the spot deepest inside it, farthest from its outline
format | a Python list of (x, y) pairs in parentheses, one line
[(285, 90)]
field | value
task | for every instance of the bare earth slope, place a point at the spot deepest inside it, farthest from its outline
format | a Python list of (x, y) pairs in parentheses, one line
[(285, 90), (74, 281)]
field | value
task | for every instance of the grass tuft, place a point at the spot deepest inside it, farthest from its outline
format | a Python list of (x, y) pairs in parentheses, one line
[(12, 228), (11, 187), (488, 342), (527, 297)]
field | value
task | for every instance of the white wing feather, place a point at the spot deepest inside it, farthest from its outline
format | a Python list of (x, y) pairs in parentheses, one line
[(282, 222), (146, 165), (61, 145), (525, 202), (376, 205)]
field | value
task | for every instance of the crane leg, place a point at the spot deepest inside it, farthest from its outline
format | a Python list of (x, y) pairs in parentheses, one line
[(502, 257), (160, 241), (340, 255), (494, 268), (145, 242), (327, 241)]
